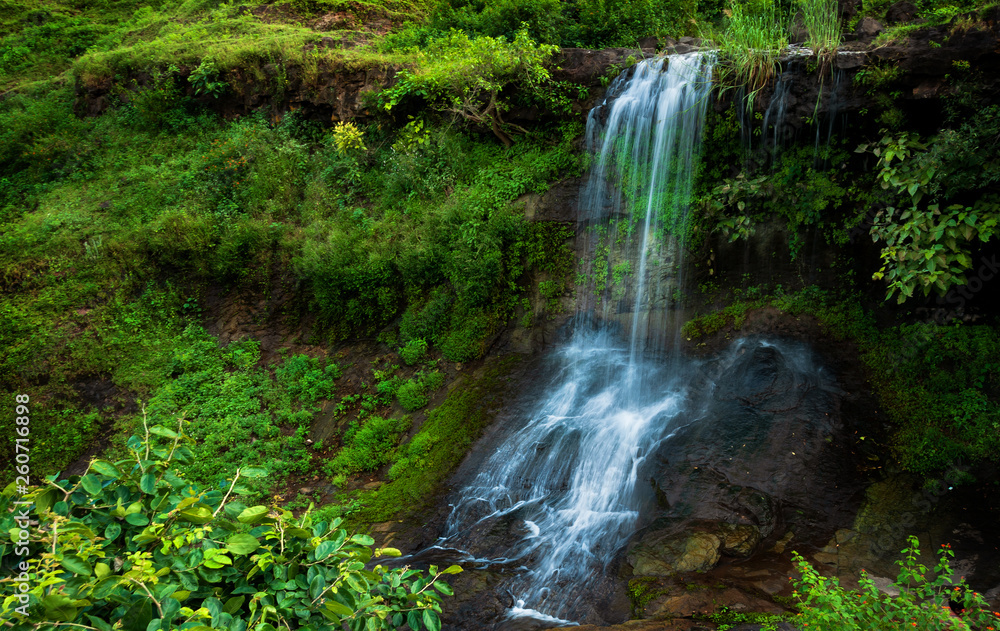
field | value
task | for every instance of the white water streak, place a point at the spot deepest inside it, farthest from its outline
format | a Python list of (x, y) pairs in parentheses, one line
[(568, 478)]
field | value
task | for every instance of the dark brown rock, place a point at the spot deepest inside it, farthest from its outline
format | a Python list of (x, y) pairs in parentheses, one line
[(587, 67), (902, 11), (868, 28), (849, 8), (556, 204)]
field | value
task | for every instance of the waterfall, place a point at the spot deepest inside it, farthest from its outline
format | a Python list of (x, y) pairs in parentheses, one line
[(833, 98), (564, 489), (775, 116)]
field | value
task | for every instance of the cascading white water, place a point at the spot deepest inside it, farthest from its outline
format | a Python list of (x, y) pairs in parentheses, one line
[(567, 480)]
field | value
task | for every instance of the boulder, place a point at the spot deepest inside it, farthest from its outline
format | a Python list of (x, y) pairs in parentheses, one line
[(901, 12), (868, 28), (662, 553), (739, 540)]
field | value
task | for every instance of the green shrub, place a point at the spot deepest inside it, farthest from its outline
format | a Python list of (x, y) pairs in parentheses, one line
[(584, 23), (413, 351), (412, 395), (429, 320), (922, 603), (369, 447), (307, 379), (503, 18), (467, 339), (139, 544)]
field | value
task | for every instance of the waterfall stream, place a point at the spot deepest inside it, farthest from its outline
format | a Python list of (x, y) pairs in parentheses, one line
[(565, 482)]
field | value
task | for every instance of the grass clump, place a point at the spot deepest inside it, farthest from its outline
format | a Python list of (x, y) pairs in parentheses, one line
[(753, 39), (734, 314), (821, 19), (413, 351)]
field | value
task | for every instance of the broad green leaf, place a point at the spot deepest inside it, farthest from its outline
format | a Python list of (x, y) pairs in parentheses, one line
[(413, 619), (112, 531), (137, 519), (106, 468), (253, 515), (148, 483), (58, 607), (431, 620), (454, 569), (91, 484), (102, 570), (138, 615), (242, 544), (444, 588), (99, 624), (253, 472), (197, 515), (160, 430), (325, 549), (233, 604), (76, 565), (364, 540), (45, 500), (339, 608)]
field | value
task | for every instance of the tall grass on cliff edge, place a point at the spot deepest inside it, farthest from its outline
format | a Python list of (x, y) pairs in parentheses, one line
[(821, 19), (755, 35)]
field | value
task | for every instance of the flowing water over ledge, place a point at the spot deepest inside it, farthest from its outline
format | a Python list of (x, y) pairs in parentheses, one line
[(565, 489)]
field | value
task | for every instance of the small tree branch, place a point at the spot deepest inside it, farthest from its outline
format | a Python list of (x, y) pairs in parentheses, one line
[(226, 498)]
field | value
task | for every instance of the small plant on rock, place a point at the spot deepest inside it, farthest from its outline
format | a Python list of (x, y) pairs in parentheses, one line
[(923, 603)]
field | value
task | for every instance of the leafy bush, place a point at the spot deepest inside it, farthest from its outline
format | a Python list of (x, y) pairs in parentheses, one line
[(501, 19), (307, 379), (922, 603), (414, 393), (413, 351), (599, 24), (368, 447), (927, 240), (133, 545), (583, 23), (466, 76)]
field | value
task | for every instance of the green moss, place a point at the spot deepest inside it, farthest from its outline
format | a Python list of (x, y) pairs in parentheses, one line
[(733, 315), (642, 590), (439, 446), (726, 619)]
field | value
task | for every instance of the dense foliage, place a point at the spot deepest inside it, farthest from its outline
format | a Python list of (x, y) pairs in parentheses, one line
[(133, 542), (923, 601)]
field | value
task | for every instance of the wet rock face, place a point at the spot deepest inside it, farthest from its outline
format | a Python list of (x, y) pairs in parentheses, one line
[(757, 452)]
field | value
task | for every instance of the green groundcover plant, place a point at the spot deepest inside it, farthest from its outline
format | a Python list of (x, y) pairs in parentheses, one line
[(924, 602), (131, 545)]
